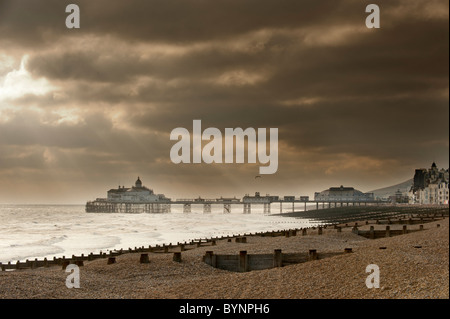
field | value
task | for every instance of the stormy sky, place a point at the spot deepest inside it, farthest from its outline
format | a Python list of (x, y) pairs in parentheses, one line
[(84, 110)]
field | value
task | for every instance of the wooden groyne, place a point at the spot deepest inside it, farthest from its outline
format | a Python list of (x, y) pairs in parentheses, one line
[(244, 262), (351, 214)]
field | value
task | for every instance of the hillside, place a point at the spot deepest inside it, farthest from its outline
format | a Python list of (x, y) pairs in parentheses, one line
[(390, 190)]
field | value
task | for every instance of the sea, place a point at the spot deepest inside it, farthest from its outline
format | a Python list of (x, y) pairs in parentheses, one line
[(38, 231)]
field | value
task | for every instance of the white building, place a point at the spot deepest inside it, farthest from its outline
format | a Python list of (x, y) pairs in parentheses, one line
[(135, 194), (433, 194), (443, 193)]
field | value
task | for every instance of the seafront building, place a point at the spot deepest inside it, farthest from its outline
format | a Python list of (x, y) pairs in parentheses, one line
[(424, 177), (436, 194), (134, 194), (343, 194), (399, 198), (135, 199), (430, 186)]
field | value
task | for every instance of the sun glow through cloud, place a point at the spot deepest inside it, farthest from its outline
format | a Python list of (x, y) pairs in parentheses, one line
[(18, 83)]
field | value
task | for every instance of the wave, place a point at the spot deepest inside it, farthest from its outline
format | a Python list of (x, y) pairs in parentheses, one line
[(70, 231)]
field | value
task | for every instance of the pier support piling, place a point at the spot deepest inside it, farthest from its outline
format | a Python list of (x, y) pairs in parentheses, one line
[(266, 208), (226, 208), (186, 208), (206, 208)]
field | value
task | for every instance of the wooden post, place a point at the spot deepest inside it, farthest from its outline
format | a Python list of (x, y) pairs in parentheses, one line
[(177, 257), (339, 229), (144, 259), (65, 263), (405, 229), (277, 258), (372, 233), (208, 258), (421, 227), (388, 231), (243, 261), (319, 231), (312, 254), (304, 232)]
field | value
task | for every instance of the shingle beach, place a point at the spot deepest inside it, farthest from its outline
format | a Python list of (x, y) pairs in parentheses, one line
[(413, 265)]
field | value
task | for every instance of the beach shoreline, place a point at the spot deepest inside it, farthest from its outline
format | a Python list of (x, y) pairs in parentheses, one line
[(413, 265)]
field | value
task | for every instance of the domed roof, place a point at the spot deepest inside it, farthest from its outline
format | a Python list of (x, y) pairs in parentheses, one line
[(138, 182)]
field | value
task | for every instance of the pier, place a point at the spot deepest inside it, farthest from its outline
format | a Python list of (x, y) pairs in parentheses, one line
[(269, 205), (140, 199)]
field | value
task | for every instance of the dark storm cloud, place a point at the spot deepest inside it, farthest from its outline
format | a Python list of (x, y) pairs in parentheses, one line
[(181, 21), (351, 104), (95, 133), (31, 22)]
